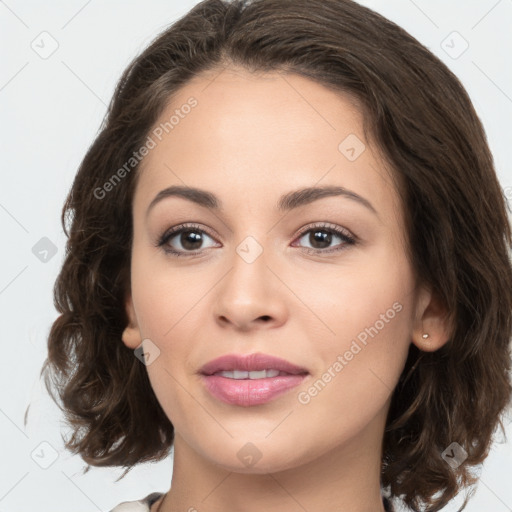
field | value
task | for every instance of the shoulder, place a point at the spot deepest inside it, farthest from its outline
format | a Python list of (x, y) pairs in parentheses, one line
[(142, 505)]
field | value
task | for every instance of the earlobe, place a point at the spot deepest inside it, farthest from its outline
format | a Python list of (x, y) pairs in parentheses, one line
[(432, 327), (131, 335)]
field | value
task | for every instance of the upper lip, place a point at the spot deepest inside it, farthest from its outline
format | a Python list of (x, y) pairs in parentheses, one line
[(250, 362)]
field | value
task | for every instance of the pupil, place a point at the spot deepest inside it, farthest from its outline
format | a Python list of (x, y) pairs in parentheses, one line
[(188, 238), (322, 237)]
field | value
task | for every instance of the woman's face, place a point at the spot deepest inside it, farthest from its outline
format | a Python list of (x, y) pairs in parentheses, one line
[(256, 278)]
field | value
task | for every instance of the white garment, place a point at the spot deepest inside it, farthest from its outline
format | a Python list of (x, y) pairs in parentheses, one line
[(142, 505)]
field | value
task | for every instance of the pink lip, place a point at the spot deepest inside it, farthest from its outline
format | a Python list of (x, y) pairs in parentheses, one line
[(251, 362), (248, 392)]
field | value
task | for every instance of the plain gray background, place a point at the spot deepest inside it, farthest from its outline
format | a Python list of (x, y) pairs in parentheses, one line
[(51, 106)]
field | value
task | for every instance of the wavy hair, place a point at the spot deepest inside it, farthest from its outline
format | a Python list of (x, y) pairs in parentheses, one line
[(457, 227)]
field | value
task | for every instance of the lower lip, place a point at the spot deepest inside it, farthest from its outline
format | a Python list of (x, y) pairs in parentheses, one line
[(248, 392)]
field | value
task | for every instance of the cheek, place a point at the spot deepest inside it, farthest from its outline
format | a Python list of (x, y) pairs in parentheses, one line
[(361, 327), (169, 302), (358, 367), (163, 294), (371, 287)]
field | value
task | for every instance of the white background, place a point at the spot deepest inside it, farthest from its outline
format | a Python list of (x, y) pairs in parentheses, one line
[(50, 111)]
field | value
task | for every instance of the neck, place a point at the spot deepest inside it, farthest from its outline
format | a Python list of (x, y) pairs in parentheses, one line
[(343, 479)]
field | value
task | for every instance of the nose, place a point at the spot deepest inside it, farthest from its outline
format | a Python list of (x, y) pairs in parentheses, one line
[(250, 296)]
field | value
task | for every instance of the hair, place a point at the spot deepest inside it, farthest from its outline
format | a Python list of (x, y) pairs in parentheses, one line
[(456, 222)]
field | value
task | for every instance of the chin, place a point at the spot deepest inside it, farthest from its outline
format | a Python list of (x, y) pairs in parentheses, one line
[(249, 459)]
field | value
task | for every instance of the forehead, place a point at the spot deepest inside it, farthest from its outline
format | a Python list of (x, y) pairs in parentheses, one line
[(251, 131)]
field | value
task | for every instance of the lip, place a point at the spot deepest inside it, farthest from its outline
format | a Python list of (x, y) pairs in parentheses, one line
[(249, 392), (249, 363)]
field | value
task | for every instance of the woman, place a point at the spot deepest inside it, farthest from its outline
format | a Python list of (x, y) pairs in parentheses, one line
[(288, 260)]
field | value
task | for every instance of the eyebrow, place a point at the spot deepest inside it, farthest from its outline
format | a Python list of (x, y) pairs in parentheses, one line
[(287, 202)]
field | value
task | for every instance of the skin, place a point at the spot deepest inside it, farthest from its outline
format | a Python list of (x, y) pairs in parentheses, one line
[(250, 139)]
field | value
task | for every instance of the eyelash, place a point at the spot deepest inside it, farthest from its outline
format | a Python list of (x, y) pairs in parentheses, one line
[(168, 235)]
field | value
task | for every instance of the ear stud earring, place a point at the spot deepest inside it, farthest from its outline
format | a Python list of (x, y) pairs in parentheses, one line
[(425, 336)]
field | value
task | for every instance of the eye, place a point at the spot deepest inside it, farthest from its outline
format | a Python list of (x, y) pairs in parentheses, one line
[(189, 237), (321, 236)]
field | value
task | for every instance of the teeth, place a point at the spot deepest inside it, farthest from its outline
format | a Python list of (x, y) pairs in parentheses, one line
[(240, 374)]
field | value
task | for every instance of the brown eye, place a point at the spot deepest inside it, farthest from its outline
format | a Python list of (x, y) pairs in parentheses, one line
[(190, 240), (320, 239), (184, 240)]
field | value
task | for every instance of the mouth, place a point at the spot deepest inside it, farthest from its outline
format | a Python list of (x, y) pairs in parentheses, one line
[(250, 380), (251, 375), (251, 366)]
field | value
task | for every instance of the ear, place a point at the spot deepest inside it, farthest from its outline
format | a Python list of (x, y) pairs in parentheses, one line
[(131, 335), (431, 318)]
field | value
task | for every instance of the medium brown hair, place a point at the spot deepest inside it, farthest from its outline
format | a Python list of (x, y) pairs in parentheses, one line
[(457, 228)]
